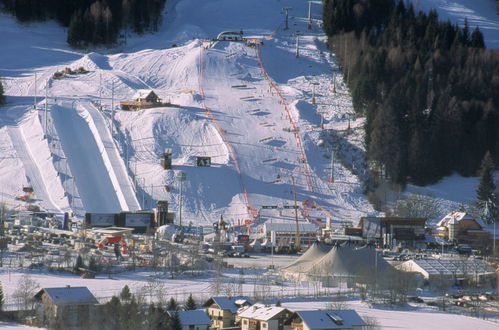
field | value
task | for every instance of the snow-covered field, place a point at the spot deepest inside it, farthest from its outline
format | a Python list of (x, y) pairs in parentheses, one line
[(161, 287)]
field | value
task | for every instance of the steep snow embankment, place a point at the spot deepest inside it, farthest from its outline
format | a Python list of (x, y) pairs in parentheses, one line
[(87, 159), (112, 159), (31, 147)]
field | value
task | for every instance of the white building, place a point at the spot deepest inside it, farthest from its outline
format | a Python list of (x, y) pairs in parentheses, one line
[(263, 317), (452, 270), (230, 36)]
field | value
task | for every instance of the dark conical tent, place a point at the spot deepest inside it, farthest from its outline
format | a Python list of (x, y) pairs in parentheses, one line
[(313, 253)]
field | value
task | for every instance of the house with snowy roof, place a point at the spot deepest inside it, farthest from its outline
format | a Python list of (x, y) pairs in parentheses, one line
[(142, 99), (192, 319), (223, 310), (325, 320), (461, 228), (73, 307), (263, 317)]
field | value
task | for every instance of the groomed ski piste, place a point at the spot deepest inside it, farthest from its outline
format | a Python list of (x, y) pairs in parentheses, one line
[(250, 109)]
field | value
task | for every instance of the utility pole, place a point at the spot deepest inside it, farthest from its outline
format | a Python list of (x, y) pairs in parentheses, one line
[(112, 110), (309, 25), (34, 106), (334, 82), (46, 108), (286, 10), (332, 166), (297, 44), (313, 91), (181, 177), (100, 91), (298, 240), (143, 191)]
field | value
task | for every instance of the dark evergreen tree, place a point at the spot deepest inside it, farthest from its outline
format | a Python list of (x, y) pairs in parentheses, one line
[(2, 298), (91, 22), (125, 294), (427, 88), (2, 96), (76, 30), (477, 39), (92, 264), (174, 323), (191, 303), (79, 264), (172, 305), (113, 312), (156, 318), (486, 189), (131, 315)]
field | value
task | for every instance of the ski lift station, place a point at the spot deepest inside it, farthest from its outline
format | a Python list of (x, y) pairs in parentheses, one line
[(230, 36)]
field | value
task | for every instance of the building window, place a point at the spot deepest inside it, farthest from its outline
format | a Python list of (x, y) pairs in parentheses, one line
[(264, 325), (245, 321)]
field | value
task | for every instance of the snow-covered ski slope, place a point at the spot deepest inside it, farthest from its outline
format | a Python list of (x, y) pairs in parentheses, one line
[(249, 109)]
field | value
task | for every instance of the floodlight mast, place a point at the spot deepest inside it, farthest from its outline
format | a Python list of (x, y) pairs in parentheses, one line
[(309, 25), (286, 10)]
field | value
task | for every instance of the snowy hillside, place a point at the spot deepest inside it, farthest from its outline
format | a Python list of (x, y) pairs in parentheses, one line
[(482, 14), (250, 109)]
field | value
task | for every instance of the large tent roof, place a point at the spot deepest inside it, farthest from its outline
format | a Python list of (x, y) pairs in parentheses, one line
[(341, 260), (313, 253)]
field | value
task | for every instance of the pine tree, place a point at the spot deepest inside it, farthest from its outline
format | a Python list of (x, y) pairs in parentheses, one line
[(172, 305), (2, 299), (174, 323), (191, 303), (92, 264), (113, 310), (2, 97), (76, 30), (486, 188), (278, 303), (125, 294), (477, 39), (79, 264)]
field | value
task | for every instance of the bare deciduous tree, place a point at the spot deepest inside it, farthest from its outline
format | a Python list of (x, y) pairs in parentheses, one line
[(417, 206), (25, 292)]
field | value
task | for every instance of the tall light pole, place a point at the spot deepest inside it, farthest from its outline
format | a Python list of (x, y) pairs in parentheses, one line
[(46, 108), (297, 34), (332, 166), (286, 10), (313, 90), (181, 176), (112, 110), (309, 25), (298, 240), (34, 106)]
